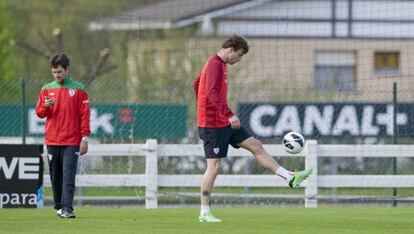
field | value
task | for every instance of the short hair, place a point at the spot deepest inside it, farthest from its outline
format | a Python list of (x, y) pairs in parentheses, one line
[(237, 43), (59, 59)]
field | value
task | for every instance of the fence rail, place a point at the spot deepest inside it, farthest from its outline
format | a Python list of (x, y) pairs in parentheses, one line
[(151, 180)]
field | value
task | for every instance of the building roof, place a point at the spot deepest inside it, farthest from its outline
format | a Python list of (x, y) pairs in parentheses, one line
[(170, 13), (272, 18)]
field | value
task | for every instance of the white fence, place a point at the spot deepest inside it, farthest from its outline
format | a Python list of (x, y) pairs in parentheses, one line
[(151, 180)]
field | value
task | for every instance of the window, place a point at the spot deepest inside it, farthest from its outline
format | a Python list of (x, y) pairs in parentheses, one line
[(335, 71), (386, 63)]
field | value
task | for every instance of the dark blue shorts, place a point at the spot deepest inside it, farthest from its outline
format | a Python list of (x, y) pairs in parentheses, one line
[(217, 140)]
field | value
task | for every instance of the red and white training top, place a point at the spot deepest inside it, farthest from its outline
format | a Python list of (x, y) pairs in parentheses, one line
[(210, 89), (67, 121)]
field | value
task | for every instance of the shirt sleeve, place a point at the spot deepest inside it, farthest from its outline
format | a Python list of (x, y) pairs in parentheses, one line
[(84, 114), (213, 85), (41, 110)]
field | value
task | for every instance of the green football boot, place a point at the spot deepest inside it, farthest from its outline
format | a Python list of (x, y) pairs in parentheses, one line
[(208, 218), (299, 177)]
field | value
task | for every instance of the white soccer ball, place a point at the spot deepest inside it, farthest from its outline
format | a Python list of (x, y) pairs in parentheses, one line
[(293, 142)]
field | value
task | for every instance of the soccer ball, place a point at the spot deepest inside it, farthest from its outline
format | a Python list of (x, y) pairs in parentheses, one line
[(293, 142)]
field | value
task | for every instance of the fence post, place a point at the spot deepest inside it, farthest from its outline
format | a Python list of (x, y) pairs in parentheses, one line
[(311, 162), (151, 175)]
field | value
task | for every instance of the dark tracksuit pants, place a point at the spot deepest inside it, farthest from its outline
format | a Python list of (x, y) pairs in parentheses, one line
[(63, 161)]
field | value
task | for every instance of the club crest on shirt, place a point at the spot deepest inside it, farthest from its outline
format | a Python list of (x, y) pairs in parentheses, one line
[(72, 92), (216, 150)]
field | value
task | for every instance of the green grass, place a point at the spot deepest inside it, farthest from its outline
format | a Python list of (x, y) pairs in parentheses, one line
[(140, 191), (360, 220)]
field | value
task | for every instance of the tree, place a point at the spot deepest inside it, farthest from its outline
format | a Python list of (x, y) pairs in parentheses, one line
[(50, 26), (8, 64)]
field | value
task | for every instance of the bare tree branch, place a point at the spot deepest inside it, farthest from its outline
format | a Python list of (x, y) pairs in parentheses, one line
[(106, 70), (95, 70), (57, 33), (46, 42), (32, 49)]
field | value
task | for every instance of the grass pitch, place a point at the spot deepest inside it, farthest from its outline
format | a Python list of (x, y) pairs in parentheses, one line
[(360, 220)]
